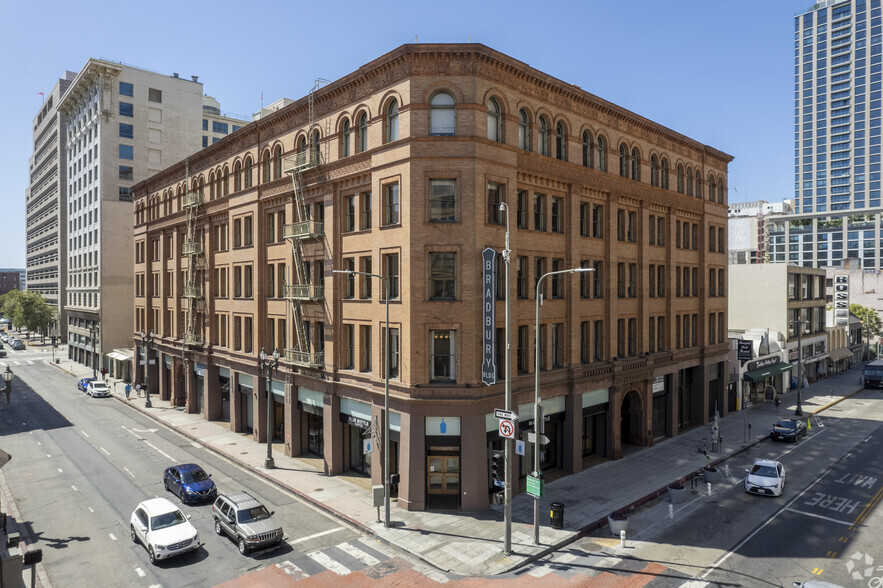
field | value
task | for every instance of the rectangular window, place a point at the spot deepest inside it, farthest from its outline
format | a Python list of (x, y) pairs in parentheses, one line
[(597, 288), (598, 340), (442, 363), (521, 278), (521, 216), (632, 227), (221, 128), (620, 225), (248, 334), (660, 231), (237, 281), (126, 173), (539, 271), (651, 335), (523, 342), (633, 280), (247, 281), (349, 346), (620, 338), (364, 348), (557, 215), (349, 264), (391, 204), (495, 216), (660, 281), (584, 219), (393, 353), (584, 280), (633, 337), (442, 200), (620, 280), (349, 207), (154, 95), (126, 89), (127, 131), (597, 221), (651, 233), (584, 340), (539, 212), (660, 333), (558, 345), (247, 232), (442, 276), (365, 207), (127, 152), (651, 280), (557, 279), (391, 274), (127, 109), (366, 281), (204, 125)]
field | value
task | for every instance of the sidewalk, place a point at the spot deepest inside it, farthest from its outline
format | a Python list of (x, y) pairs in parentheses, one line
[(471, 543)]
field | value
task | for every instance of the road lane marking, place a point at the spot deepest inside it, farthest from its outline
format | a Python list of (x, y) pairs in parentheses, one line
[(129, 471), (60, 471), (49, 455), (90, 509), (112, 538), (85, 434), (140, 572), (818, 516), (328, 563), (75, 488), (40, 444), (866, 511), (167, 456), (302, 539), (104, 450)]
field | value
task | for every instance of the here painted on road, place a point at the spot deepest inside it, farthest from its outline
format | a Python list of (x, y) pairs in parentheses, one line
[(833, 503)]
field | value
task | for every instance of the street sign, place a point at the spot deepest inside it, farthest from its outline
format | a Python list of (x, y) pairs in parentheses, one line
[(519, 447), (488, 368), (144, 362), (508, 415), (4, 458), (536, 486), (507, 429), (532, 438)]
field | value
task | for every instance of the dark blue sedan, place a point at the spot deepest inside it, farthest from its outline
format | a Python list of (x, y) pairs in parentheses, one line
[(190, 482), (84, 383)]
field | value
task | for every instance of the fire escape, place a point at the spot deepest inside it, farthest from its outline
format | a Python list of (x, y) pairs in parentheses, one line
[(301, 291), (194, 250)]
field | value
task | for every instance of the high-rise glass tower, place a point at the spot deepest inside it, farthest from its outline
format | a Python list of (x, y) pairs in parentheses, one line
[(837, 116)]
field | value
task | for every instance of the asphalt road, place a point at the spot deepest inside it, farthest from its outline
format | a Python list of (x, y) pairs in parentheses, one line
[(81, 465), (826, 516)]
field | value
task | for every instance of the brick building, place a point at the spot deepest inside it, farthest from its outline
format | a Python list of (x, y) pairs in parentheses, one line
[(398, 169)]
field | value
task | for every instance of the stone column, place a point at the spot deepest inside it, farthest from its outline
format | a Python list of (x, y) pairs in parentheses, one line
[(333, 435)]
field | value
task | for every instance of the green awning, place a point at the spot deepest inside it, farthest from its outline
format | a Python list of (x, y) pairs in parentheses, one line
[(763, 373)]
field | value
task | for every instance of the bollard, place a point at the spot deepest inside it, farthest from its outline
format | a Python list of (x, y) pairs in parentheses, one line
[(671, 511), (622, 538), (708, 488), (727, 470)]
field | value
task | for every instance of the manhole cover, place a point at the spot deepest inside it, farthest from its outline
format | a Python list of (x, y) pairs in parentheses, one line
[(319, 490)]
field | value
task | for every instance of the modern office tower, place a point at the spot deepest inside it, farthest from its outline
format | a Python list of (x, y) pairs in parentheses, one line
[(46, 213), (122, 124), (399, 170), (838, 70)]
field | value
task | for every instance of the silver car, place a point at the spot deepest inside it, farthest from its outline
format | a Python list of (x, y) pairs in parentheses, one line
[(98, 388), (246, 520)]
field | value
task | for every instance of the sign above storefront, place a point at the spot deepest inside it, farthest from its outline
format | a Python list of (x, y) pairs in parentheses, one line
[(745, 349), (762, 363)]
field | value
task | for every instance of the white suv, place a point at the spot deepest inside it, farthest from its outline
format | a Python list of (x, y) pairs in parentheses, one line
[(163, 529), (98, 388)]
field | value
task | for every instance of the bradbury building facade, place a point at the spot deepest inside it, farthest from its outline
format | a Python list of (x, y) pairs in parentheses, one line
[(399, 170)]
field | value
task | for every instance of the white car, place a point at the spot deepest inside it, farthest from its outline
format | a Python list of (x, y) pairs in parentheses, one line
[(98, 388), (766, 477), (163, 529)]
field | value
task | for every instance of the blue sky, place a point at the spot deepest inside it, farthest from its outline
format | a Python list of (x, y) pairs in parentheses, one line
[(718, 71)]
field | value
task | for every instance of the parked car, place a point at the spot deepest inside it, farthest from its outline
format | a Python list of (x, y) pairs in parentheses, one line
[(97, 388), (84, 383), (190, 482), (18, 344), (2, 353), (162, 529), (788, 430), (246, 521), (766, 477)]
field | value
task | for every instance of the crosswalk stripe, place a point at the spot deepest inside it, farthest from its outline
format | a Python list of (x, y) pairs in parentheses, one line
[(292, 570), (540, 571), (325, 561), (365, 558)]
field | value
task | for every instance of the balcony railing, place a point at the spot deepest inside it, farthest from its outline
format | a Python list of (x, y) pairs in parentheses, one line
[(303, 292), (193, 248), (194, 292), (307, 359), (193, 199), (301, 161), (195, 339), (304, 230)]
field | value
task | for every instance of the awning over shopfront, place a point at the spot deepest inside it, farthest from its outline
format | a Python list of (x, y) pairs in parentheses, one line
[(763, 373), (838, 354), (118, 356)]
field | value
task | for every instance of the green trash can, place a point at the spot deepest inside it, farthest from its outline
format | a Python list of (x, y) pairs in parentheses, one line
[(557, 515)]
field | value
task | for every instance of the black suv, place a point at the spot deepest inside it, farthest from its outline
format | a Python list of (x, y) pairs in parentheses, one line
[(246, 520)]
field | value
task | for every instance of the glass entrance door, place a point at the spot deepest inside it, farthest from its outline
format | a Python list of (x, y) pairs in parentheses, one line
[(443, 474)]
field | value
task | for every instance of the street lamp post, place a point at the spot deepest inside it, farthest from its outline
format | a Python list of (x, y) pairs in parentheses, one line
[(92, 341), (508, 443), (147, 340), (269, 366), (537, 425), (385, 390), (7, 378), (799, 410)]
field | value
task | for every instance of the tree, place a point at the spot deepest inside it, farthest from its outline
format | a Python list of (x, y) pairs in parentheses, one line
[(28, 309), (872, 326)]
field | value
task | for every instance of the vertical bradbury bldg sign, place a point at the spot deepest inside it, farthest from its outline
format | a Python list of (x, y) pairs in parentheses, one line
[(488, 318)]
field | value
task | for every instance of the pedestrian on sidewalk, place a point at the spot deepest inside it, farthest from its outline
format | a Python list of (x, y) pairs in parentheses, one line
[(778, 402), (138, 390), (128, 390)]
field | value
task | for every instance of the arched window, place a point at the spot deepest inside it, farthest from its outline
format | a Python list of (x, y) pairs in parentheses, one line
[(219, 189), (442, 115), (363, 132), (523, 130), (237, 177), (720, 191), (623, 161), (654, 170), (587, 150), (663, 174), (689, 181), (494, 128), (602, 154), (636, 164), (698, 190), (712, 188), (200, 187), (211, 186), (248, 172), (277, 162), (543, 138), (266, 164), (314, 144), (345, 139), (392, 121), (560, 142), (302, 145), (226, 181), (680, 178)]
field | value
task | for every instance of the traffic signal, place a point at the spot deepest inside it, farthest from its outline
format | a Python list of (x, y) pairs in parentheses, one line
[(497, 466)]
